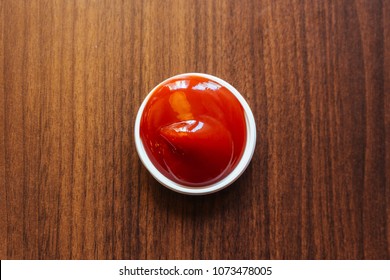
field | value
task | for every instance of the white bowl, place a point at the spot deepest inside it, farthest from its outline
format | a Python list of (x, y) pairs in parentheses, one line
[(226, 181)]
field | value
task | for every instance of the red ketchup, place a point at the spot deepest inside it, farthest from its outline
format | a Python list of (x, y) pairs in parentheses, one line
[(193, 130)]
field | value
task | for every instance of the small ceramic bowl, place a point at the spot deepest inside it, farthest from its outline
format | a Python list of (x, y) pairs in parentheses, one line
[(224, 182)]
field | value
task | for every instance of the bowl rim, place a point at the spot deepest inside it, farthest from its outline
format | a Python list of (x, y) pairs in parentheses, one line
[(219, 185)]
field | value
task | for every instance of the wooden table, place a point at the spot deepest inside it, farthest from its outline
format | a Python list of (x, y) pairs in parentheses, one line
[(73, 74)]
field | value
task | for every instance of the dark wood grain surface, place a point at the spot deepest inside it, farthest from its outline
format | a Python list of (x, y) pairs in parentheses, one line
[(73, 74)]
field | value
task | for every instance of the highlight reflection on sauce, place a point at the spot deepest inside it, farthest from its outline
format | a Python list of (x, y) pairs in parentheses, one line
[(193, 130)]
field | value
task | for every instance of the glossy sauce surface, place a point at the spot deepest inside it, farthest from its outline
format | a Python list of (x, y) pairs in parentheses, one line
[(193, 130)]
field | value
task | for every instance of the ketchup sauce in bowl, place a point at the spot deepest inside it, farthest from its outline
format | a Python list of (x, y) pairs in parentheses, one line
[(195, 133)]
